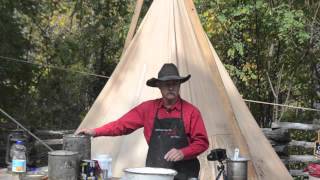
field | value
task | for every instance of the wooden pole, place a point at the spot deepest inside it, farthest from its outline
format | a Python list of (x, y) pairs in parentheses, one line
[(133, 24), (20, 125)]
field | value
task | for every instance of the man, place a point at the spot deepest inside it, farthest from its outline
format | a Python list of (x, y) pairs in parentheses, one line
[(173, 128)]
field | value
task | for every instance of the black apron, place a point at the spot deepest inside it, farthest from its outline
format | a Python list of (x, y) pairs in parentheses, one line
[(169, 133)]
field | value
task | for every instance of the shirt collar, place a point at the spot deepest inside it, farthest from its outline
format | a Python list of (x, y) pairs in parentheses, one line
[(176, 106)]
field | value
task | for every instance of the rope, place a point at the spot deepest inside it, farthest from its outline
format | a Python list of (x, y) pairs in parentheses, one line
[(283, 105), (53, 67), (102, 76)]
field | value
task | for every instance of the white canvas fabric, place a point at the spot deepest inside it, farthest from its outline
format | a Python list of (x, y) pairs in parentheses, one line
[(172, 33)]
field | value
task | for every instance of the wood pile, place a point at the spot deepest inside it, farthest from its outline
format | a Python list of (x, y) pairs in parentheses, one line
[(294, 143)]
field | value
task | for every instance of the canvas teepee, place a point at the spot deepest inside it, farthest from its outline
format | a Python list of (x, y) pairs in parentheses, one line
[(171, 32)]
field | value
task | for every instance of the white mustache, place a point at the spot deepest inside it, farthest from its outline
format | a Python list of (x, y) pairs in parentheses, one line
[(173, 93)]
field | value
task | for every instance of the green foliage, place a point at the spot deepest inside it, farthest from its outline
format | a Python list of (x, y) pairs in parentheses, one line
[(303, 135), (256, 38), (298, 150), (297, 165), (77, 35)]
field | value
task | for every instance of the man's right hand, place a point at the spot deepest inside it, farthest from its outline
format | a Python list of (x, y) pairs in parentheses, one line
[(86, 131)]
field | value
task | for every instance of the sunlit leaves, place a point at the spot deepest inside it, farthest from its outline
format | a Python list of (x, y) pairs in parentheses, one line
[(269, 36), (246, 72)]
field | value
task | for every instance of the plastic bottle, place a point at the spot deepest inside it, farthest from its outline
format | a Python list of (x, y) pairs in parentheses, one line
[(105, 163), (19, 160)]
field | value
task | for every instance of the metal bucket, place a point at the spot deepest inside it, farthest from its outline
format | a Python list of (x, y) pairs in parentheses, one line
[(237, 169), (148, 173), (78, 143), (63, 165)]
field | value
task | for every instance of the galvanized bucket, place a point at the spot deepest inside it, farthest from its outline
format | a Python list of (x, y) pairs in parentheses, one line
[(63, 165), (237, 169), (78, 143)]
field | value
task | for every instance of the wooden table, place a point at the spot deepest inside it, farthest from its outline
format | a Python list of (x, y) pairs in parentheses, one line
[(4, 175)]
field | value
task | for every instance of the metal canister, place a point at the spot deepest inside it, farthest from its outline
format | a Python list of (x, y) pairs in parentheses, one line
[(78, 143), (237, 169), (89, 170), (63, 165)]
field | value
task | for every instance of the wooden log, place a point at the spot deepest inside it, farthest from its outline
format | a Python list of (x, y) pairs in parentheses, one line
[(284, 149), (281, 150), (298, 172), (299, 126), (300, 148), (53, 132), (50, 142), (272, 142), (278, 135), (304, 144), (299, 158)]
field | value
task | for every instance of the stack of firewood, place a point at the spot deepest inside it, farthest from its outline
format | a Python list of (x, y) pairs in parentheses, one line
[(294, 143)]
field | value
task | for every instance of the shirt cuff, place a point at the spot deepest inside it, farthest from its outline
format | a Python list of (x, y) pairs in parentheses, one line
[(187, 153)]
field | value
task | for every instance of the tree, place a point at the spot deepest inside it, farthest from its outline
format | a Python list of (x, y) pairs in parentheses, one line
[(82, 36), (265, 46)]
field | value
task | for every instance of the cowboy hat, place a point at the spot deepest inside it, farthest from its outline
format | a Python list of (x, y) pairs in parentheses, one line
[(168, 72)]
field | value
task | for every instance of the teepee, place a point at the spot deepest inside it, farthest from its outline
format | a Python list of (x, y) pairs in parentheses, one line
[(171, 32)]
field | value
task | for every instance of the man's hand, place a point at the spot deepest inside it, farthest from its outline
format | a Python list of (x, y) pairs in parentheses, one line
[(87, 131), (174, 155)]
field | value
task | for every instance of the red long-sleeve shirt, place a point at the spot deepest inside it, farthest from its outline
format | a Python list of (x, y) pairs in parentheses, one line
[(143, 115)]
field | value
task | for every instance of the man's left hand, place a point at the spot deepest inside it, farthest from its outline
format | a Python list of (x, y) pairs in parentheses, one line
[(174, 155)]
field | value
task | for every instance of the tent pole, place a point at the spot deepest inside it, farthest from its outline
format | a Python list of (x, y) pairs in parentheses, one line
[(133, 24)]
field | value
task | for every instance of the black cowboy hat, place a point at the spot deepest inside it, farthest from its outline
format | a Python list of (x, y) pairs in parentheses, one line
[(168, 72)]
